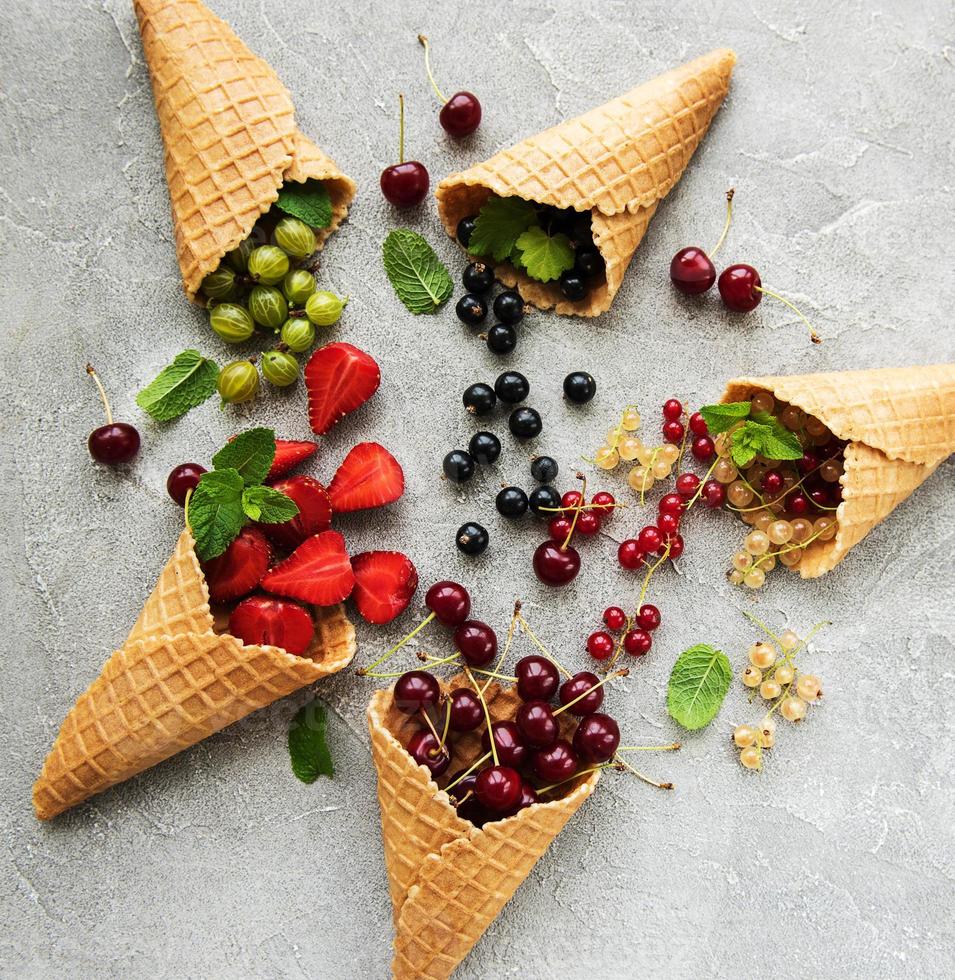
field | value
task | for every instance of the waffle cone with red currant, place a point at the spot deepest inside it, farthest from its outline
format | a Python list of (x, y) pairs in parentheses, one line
[(228, 125), (448, 878), (898, 425), (617, 161), (174, 682)]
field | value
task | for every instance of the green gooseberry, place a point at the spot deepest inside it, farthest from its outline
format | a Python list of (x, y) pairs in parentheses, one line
[(219, 284), (238, 258), (298, 334), (238, 382), (324, 308), (279, 368), (268, 264), (295, 237), (231, 322), (268, 307), (298, 285)]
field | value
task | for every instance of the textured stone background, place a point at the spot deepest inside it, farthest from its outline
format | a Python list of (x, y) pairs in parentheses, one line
[(840, 858)]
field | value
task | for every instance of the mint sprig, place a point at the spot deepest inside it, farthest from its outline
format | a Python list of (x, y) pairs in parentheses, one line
[(230, 495), (698, 684), (307, 744), (753, 433), (308, 201), (499, 224), (417, 274), (545, 256), (184, 384)]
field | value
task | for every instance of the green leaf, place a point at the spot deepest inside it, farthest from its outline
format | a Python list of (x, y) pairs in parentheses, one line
[(308, 201), (250, 453), (780, 443), (747, 442), (268, 506), (545, 256), (307, 747), (499, 224), (719, 418), (698, 683), (215, 512), (417, 274), (187, 382)]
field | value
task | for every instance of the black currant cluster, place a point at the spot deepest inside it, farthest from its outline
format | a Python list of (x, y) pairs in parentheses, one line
[(472, 307)]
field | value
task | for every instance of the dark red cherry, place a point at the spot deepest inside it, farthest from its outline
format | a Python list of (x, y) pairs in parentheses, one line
[(461, 114), (584, 683), (691, 271), (556, 763), (527, 798), (537, 724), (405, 184), (476, 641), (511, 750), (425, 749), (597, 738), (182, 479), (498, 788), (537, 678), (468, 806), (449, 602), (739, 288), (113, 444), (555, 565), (466, 711), (416, 689)]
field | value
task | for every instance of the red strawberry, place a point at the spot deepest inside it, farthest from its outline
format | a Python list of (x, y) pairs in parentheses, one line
[(385, 581), (368, 477), (239, 569), (339, 378), (314, 512), (288, 455), (318, 571), (273, 622)]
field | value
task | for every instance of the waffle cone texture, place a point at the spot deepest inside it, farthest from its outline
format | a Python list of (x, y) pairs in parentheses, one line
[(617, 161), (174, 682), (449, 879), (228, 125), (899, 424)]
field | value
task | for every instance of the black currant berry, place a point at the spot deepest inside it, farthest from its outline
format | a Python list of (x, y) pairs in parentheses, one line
[(471, 309), (511, 502), (511, 387), (466, 229), (471, 538), (579, 387), (525, 423), (501, 338), (458, 466), (479, 399), (572, 285), (509, 307), (485, 447), (542, 499), (478, 278), (588, 262), (544, 469)]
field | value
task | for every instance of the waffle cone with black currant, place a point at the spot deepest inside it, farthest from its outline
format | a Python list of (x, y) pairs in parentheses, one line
[(175, 681), (231, 141), (448, 878), (899, 426), (617, 162)]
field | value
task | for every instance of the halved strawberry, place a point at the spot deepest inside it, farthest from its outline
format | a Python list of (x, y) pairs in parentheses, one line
[(239, 569), (368, 477), (339, 378), (273, 622), (288, 454), (318, 571), (314, 512), (385, 581)]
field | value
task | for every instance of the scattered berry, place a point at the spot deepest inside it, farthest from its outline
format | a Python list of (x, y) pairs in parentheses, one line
[(544, 469), (460, 115), (614, 618), (115, 442), (703, 448), (472, 538), (673, 432), (458, 466), (554, 564), (739, 287), (182, 479), (511, 387), (485, 447), (471, 309), (648, 617), (544, 500), (509, 307), (691, 271), (339, 378), (369, 476), (449, 602), (385, 581), (511, 502), (600, 645), (478, 278), (479, 399), (579, 387), (525, 423), (404, 184), (501, 338), (630, 555), (637, 642)]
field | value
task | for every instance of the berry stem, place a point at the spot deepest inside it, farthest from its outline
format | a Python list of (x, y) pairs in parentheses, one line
[(636, 772), (438, 661), (364, 671), (563, 510), (401, 128), (726, 224), (619, 673), (467, 772), (507, 643), (487, 714), (813, 336), (526, 626), (576, 775), (706, 476), (102, 393), (618, 649), (423, 40), (495, 675), (573, 523), (650, 748)]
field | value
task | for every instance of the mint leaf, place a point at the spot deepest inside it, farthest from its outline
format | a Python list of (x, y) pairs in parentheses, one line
[(308, 201), (780, 443), (545, 256), (250, 453), (719, 418), (747, 442), (499, 224), (307, 747), (416, 273), (698, 683), (268, 506), (187, 382), (215, 513)]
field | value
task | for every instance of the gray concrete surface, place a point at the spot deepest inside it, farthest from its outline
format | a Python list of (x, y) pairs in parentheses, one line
[(839, 860)]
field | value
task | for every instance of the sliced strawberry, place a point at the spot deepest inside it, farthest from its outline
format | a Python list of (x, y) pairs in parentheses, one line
[(318, 571), (239, 569), (368, 477), (314, 513), (385, 581), (288, 455), (274, 623), (339, 378)]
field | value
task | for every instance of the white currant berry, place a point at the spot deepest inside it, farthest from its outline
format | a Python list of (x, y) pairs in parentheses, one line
[(750, 758), (766, 738), (631, 420), (606, 457), (784, 674), (755, 578), (788, 640), (744, 735), (769, 690), (629, 448), (736, 577), (756, 543), (742, 561), (793, 709), (762, 655), (752, 676), (808, 687)]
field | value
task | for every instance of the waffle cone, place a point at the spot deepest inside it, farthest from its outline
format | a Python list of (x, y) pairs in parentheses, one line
[(228, 125), (899, 424), (449, 879), (617, 161), (174, 682)]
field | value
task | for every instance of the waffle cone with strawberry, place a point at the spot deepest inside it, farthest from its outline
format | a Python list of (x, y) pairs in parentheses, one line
[(617, 162), (228, 125), (899, 426)]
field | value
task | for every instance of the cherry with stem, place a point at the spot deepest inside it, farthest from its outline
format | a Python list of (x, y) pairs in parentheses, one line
[(461, 114), (691, 270), (115, 442), (406, 182)]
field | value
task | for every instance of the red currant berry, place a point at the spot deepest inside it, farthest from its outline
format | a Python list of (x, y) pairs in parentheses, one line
[(820, 498), (572, 498), (630, 555), (648, 618), (672, 410), (673, 432), (668, 524), (714, 494), (637, 642), (739, 288), (698, 425), (671, 503), (798, 504), (675, 542), (600, 645), (559, 528), (606, 502), (691, 271), (182, 479), (650, 539), (614, 618), (808, 463), (588, 523), (703, 448), (772, 481), (687, 484)]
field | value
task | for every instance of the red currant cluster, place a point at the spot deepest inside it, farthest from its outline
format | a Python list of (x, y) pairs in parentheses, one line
[(633, 633)]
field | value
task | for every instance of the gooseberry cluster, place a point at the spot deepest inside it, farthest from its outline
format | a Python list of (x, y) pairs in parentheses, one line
[(264, 284), (773, 673)]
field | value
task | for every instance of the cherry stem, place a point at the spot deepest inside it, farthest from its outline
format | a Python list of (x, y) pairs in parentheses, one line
[(507, 643), (401, 128), (573, 523), (623, 762), (438, 661), (813, 336), (364, 671), (540, 646), (102, 393), (427, 719), (673, 746), (619, 673), (423, 40), (495, 675), (576, 775), (726, 225), (467, 772), (487, 714), (186, 508)]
